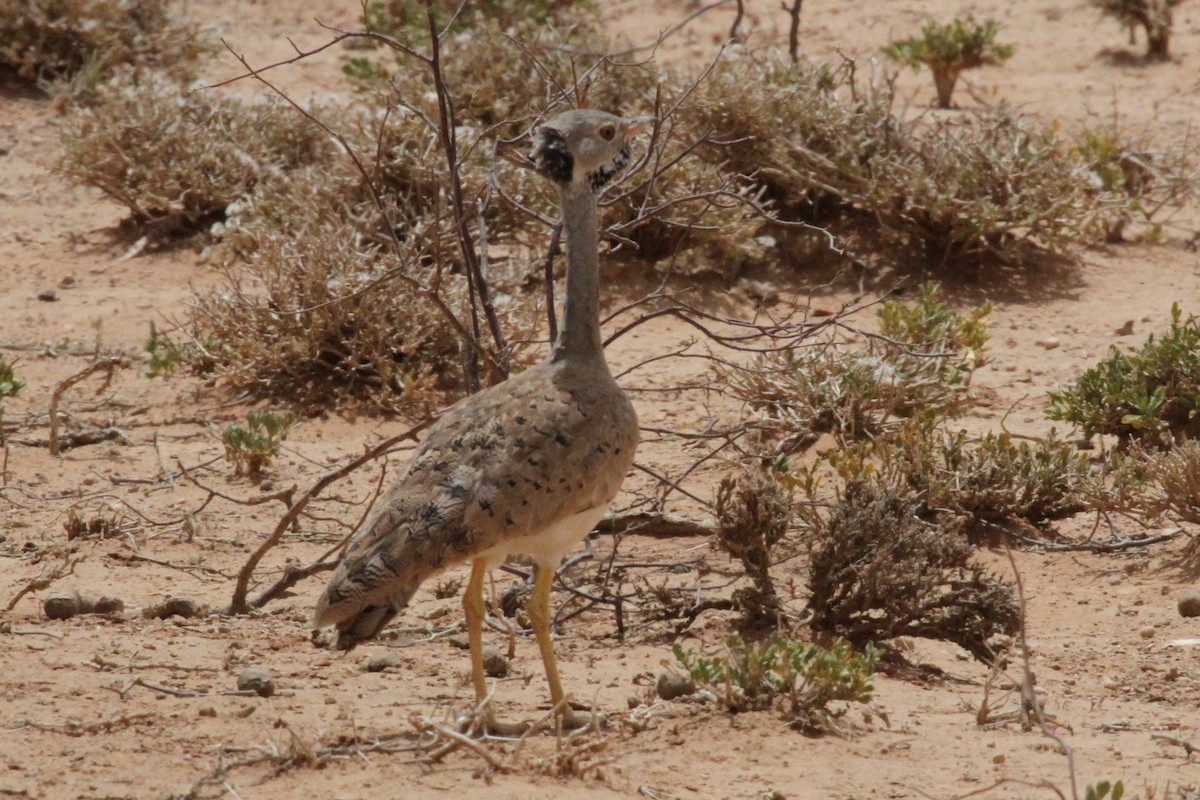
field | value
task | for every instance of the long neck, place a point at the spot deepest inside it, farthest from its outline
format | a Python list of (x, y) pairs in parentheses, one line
[(579, 337)]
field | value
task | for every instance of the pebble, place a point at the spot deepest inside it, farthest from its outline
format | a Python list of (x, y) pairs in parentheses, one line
[(184, 607), (63, 604), (1049, 343), (1147, 632), (495, 665), (672, 685), (380, 662), (1126, 329), (48, 296), (257, 680), (1189, 603)]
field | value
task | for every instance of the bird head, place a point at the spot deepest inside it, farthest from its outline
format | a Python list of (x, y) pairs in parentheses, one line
[(584, 146)]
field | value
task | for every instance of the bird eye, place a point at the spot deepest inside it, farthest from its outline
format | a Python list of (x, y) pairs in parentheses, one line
[(607, 132)]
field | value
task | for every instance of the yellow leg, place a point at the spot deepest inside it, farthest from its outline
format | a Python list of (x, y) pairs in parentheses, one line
[(475, 610), (539, 620)]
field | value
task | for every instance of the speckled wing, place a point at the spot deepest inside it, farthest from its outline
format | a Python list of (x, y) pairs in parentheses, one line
[(501, 465)]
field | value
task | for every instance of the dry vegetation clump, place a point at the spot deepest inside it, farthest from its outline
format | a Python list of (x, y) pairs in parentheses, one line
[(1147, 179), (54, 41), (921, 363), (830, 150), (753, 513), (178, 160), (314, 317), (995, 484), (878, 570)]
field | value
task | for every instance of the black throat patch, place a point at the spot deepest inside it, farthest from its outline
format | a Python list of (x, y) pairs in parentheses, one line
[(552, 157), (600, 178)]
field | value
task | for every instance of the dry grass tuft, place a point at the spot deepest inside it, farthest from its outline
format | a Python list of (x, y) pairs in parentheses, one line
[(86, 41)]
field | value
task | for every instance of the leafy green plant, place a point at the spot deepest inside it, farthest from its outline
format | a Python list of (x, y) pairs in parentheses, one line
[(165, 356), (251, 448), (86, 41), (9, 387), (938, 331), (1152, 15), (950, 49), (1151, 396), (804, 679), (1105, 791)]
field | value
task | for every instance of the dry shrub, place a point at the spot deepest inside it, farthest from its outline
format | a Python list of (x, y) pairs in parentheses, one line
[(298, 321), (830, 150), (51, 41), (179, 160), (878, 570), (921, 364), (753, 513)]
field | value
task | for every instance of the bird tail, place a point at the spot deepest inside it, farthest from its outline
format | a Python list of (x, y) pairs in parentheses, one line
[(363, 596)]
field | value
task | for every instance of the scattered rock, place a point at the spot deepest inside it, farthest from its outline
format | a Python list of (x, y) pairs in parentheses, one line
[(106, 604), (495, 665), (460, 641), (257, 680), (1147, 632), (1189, 603), (208, 711), (184, 607), (998, 758), (63, 604), (1125, 330), (672, 685), (67, 282), (380, 662), (1049, 343), (48, 296)]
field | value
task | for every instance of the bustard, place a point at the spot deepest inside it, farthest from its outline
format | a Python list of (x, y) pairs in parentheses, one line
[(528, 466)]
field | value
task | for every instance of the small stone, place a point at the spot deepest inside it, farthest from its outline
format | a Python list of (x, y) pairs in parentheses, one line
[(106, 604), (208, 711), (998, 758), (1126, 329), (671, 685), (67, 282), (633, 701), (460, 641), (495, 665), (1147, 632), (380, 662), (257, 680), (48, 296), (184, 607), (1049, 343), (62, 605), (1189, 603)]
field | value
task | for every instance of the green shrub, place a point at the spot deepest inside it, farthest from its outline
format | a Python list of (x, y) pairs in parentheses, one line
[(948, 50), (251, 448), (1151, 396), (1152, 15), (802, 678), (52, 41)]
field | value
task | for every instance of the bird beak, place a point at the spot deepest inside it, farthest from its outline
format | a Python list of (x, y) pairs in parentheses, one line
[(635, 125)]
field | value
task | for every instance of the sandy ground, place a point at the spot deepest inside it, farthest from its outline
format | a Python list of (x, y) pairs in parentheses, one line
[(126, 707)]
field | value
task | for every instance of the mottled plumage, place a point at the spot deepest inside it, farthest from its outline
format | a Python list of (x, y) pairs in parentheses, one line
[(526, 466)]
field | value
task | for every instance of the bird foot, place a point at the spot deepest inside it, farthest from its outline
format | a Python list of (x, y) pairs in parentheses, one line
[(575, 719), (489, 725)]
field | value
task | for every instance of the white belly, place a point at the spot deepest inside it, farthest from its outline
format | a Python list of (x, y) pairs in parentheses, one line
[(548, 546)]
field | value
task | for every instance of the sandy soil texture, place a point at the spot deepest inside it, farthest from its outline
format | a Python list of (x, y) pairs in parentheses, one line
[(122, 706)]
